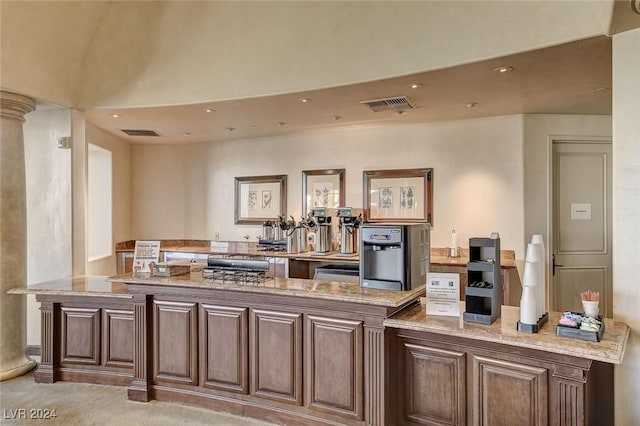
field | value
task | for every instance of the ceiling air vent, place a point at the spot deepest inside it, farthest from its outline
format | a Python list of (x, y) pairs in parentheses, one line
[(138, 132), (398, 103)]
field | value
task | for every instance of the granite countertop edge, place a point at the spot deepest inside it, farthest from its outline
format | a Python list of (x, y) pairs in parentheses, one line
[(356, 297), (544, 343)]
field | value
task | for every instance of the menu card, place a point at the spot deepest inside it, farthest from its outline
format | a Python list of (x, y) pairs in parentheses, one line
[(443, 294), (146, 256)]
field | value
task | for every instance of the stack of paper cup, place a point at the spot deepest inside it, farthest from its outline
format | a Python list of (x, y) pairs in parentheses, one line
[(542, 305), (530, 283)]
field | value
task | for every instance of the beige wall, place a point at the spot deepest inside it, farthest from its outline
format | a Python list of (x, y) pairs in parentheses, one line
[(478, 179), (626, 221), (48, 188), (121, 194)]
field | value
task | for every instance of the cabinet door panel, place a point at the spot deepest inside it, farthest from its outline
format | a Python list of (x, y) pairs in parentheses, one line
[(225, 348), (508, 393), (80, 335), (434, 386), (118, 337), (175, 343), (334, 365), (276, 355)]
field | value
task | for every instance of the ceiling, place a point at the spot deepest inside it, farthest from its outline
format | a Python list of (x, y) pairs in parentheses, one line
[(573, 78)]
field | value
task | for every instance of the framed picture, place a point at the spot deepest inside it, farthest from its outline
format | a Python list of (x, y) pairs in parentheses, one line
[(398, 195), (260, 198), (322, 188)]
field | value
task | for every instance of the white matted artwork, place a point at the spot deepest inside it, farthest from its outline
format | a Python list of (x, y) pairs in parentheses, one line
[(324, 195), (259, 198), (322, 188), (398, 195)]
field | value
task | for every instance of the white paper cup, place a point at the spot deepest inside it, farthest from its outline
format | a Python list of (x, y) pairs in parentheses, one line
[(590, 308)]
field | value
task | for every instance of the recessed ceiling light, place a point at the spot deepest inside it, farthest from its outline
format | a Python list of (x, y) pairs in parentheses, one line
[(415, 85), (282, 123), (230, 129), (472, 104), (187, 133), (304, 100), (209, 110), (115, 115), (602, 90), (503, 70), (336, 117)]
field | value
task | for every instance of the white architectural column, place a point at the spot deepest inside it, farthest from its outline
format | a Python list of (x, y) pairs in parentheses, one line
[(13, 236)]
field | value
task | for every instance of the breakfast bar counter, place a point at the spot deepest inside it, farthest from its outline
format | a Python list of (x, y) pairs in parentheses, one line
[(288, 351), (295, 351), (493, 374)]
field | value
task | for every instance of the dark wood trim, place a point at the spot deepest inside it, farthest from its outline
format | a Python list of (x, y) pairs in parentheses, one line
[(49, 339), (374, 378), (101, 377), (138, 390), (254, 408)]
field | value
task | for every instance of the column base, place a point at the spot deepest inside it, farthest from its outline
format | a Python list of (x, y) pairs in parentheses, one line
[(23, 367)]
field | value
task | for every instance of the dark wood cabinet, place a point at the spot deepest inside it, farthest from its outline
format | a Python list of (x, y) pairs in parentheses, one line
[(80, 336), (444, 380), (434, 387), (85, 341), (276, 355), (334, 365), (175, 342), (508, 393), (224, 348), (117, 338)]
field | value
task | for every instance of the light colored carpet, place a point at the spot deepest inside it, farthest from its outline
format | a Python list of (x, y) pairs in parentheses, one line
[(87, 404)]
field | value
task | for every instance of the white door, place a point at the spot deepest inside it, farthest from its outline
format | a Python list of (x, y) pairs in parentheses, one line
[(581, 224)]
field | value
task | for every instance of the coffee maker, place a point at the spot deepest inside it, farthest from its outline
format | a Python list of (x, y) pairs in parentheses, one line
[(348, 231), (323, 230)]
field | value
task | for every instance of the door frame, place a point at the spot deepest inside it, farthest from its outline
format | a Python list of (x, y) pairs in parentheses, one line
[(550, 249)]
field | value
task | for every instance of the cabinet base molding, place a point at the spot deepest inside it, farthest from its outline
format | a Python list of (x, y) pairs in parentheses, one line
[(245, 408), (100, 377)]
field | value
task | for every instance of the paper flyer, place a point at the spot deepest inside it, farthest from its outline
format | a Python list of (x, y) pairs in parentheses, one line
[(146, 256), (443, 294)]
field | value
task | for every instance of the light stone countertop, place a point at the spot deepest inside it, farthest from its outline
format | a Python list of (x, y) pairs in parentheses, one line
[(438, 256), (314, 289), (77, 286), (117, 287), (610, 349)]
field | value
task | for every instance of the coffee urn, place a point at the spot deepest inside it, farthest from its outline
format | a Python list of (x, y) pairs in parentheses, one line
[(323, 230), (348, 231), (267, 230)]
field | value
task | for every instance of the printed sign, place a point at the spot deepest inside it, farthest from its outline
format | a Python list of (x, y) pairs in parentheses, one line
[(146, 256), (443, 294), (581, 211)]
